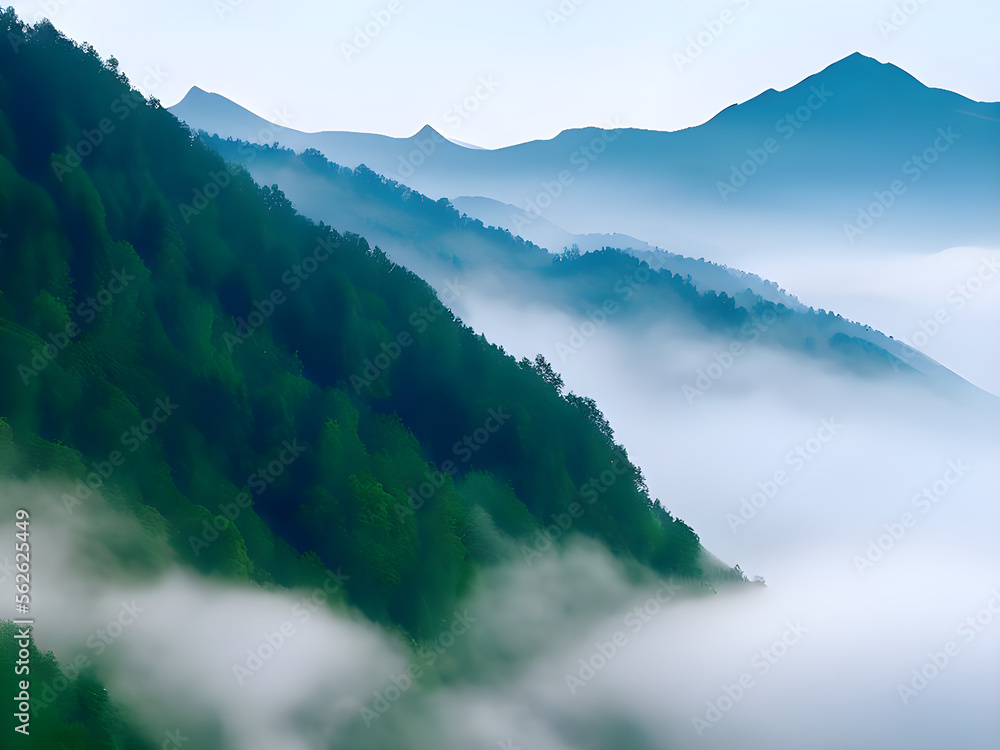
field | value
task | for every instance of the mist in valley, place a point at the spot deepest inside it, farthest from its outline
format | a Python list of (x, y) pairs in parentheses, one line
[(864, 497), (867, 503), (786, 315)]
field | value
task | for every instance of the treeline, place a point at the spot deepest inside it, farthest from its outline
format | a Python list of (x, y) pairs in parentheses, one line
[(443, 241)]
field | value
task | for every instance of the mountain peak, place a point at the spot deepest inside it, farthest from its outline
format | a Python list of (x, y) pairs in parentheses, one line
[(215, 113), (858, 68), (857, 58), (427, 132), (196, 96), (195, 92), (857, 80)]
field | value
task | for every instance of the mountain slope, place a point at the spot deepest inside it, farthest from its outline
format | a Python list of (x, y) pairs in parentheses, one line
[(302, 403), (694, 296), (538, 230), (705, 276)]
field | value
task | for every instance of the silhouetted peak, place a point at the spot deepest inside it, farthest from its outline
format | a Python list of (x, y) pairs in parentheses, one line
[(427, 132)]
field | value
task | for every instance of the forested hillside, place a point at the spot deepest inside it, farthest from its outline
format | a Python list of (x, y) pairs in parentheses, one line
[(436, 240), (275, 397)]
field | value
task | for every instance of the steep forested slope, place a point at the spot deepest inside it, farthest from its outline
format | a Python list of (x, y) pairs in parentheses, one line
[(274, 397)]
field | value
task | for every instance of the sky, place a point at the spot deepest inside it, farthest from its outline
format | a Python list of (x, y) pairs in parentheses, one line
[(496, 73)]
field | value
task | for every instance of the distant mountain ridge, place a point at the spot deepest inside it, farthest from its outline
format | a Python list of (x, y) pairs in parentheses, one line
[(442, 245), (785, 169)]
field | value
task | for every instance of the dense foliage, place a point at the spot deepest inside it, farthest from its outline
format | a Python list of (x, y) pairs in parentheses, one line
[(71, 710), (203, 351)]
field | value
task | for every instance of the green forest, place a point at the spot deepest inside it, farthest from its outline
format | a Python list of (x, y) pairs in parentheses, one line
[(273, 398)]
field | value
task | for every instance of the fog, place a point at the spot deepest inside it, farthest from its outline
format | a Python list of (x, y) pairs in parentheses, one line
[(831, 459), (907, 295), (171, 658), (822, 657)]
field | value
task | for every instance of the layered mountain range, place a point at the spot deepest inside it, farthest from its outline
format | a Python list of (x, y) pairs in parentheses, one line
[(796, 170)]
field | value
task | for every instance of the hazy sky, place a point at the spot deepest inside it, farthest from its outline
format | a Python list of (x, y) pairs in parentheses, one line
[(547, 64)]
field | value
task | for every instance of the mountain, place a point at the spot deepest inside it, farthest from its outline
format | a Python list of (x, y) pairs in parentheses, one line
[(281, 495), (270, 398), (705, 275), (202, 110), (447, 247), (786, 169), (540, 231)]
